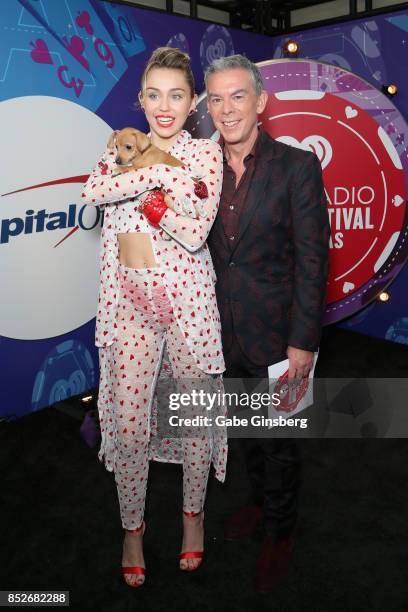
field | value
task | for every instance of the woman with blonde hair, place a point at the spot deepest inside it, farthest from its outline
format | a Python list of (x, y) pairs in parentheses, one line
[(157, 314)]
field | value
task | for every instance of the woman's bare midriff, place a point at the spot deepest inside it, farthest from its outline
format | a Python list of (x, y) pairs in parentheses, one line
[(135, 250)]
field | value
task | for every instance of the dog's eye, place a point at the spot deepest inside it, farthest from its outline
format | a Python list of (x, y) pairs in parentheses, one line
[(129, 147)]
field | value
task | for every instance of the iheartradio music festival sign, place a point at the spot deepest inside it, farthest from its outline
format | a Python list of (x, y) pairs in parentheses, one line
[(345, 121)]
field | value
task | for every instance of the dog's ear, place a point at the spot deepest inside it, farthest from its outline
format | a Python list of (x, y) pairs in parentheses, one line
[(111, 141), (142, 141)]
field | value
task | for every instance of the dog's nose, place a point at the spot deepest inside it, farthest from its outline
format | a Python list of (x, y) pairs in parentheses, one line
[(118, 160)]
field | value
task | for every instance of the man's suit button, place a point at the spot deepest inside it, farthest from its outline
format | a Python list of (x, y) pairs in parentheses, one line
[(231, 264)]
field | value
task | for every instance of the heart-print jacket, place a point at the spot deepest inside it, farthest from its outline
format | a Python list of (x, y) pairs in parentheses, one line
[(179, 245)]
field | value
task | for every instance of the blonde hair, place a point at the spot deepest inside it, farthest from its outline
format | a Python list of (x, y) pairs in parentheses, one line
[(169, 57)]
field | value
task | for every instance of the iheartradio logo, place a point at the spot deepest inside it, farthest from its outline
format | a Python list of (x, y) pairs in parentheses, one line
[(216, 50), (49, 240), (317, 144), (215, 43)]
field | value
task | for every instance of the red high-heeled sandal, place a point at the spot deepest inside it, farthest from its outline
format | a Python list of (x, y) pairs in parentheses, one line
[(135, 569), (196, 554)]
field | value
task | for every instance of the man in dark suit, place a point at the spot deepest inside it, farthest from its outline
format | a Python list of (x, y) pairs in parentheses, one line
[(270, 246)]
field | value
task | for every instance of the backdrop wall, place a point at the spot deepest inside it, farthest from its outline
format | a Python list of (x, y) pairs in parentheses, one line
[(69, 74)]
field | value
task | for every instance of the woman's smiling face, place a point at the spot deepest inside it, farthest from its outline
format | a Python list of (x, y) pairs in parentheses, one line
[(167, 101)]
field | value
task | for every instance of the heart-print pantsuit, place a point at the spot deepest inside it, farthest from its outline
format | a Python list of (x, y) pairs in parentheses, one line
[(157, 326), (145, 319)]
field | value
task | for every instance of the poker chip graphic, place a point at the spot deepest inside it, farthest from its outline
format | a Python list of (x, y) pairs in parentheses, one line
[(398, 331), (356, 47), (179, 41), (67, 370), (215, 43), (359, 137)]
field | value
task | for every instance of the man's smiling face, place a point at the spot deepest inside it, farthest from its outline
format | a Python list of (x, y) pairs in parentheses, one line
[(233, 104)]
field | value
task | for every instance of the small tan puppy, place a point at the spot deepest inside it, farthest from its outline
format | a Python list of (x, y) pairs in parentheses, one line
[(134, 151)]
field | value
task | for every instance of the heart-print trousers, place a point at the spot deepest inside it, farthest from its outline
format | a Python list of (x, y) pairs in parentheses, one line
[(145, 318)]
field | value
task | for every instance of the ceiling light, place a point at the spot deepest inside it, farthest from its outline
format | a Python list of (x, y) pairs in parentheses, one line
[(291, 48), (384, 296), (390, 90)]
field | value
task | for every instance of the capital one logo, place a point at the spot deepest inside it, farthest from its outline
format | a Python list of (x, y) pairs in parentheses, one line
[(40, 221), (49, 240)]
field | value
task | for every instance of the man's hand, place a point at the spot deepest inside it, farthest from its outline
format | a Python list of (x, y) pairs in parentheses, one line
[(300, 362)]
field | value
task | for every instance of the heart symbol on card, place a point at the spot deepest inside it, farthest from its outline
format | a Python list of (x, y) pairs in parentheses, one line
[(40, 52), (316, 143), (397, 200), (351, 112), (84, 21), (348, 287), (77, 47)]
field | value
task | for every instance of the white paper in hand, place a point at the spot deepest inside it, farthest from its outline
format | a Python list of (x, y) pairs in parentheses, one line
[(293, 397)]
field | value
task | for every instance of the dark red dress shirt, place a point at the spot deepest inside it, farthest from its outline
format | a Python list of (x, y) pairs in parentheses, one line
[(233, 197)]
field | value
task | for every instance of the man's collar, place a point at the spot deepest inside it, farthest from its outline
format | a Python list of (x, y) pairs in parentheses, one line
[(253, 152), (266, 146), (256, 147)]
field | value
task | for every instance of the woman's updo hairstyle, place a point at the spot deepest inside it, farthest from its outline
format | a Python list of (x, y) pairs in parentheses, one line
[(169, 57)]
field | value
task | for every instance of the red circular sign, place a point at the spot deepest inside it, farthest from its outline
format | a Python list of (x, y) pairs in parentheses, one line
[(364, 181)]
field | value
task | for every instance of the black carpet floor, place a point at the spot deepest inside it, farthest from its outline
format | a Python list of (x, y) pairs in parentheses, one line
[(60, 525)]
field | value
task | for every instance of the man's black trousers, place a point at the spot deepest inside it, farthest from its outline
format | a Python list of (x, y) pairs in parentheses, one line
[(273, 463)]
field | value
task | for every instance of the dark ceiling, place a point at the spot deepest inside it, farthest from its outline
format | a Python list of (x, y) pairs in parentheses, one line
[(273, 16), (260, 15)]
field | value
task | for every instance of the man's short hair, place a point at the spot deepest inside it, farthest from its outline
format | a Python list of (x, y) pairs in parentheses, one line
[(236, 61)]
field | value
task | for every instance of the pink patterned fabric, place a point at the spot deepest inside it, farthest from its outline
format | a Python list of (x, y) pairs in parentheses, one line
[(145, 321), (189, 275), (183, 306)]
